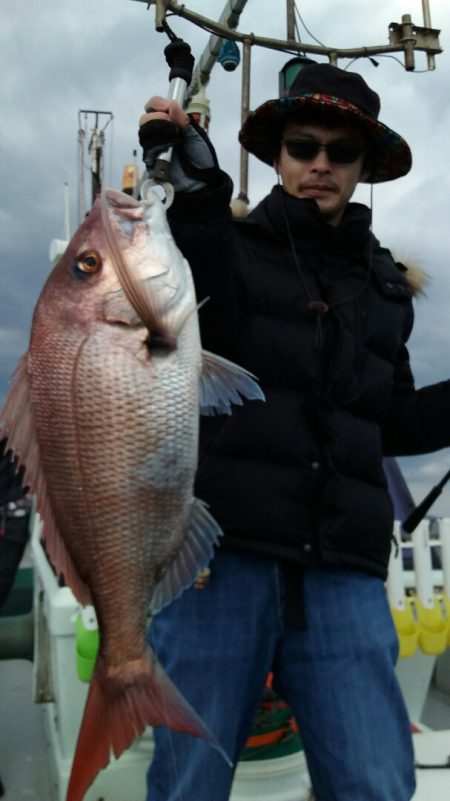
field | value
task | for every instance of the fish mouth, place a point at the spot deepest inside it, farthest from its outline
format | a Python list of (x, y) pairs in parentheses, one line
[(150, 269), (121, 201), (135, 219), (115, 208), (137, 224), (125, 210)]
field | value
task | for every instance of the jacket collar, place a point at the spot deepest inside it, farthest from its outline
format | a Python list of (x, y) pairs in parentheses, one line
[(309, 229)]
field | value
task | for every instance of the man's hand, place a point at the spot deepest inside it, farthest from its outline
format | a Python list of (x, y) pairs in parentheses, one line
[(159, 108), (194, 163)]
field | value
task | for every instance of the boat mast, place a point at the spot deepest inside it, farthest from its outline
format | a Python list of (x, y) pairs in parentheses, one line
[(95, 148)]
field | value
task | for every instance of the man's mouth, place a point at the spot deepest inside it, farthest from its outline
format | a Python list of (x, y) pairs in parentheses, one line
[(317, 189)]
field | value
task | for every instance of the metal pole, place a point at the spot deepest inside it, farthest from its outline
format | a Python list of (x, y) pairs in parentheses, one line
[(431, 61), (230, 20), (408, 41), (160, 14), (290, 19), (300, 47), (161, 169), (426, 14), (245, 108)]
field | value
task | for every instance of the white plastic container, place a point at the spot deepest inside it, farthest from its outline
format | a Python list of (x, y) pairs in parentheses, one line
[(282, 779)]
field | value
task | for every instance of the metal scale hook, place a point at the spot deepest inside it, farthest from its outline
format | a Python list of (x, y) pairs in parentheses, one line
[(181, 62)]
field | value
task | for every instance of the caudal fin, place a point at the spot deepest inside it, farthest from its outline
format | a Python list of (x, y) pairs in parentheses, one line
[(119, 706)]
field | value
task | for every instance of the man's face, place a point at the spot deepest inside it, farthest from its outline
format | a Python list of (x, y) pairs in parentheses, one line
[(329, 183)]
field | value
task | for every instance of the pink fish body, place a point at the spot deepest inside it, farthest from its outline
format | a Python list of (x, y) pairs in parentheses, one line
[(103, 412)]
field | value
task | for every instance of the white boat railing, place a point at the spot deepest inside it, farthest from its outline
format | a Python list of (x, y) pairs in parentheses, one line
[(419, 590)]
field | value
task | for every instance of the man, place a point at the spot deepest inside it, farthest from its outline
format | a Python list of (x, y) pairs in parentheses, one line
[(303, 295)]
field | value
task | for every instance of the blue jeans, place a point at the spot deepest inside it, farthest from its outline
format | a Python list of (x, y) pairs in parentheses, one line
[(218, 645)]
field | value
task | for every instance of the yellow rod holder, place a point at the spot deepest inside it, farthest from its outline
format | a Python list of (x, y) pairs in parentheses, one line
[(445, 600), (407, 628), (433, 627)]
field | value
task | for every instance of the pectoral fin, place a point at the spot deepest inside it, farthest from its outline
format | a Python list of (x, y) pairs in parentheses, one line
[(224, 383)]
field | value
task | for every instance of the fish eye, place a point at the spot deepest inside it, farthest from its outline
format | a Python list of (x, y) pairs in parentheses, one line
[(89, 261)]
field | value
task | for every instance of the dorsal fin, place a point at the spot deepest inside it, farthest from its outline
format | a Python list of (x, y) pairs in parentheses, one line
[(17, 424)]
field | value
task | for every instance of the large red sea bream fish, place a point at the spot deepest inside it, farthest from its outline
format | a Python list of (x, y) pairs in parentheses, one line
[(103, 413)]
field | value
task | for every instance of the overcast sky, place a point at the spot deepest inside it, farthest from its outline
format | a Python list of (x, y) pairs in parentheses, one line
[(60, 56)]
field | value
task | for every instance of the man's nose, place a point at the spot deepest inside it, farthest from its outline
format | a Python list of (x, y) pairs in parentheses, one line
[(321, 162)]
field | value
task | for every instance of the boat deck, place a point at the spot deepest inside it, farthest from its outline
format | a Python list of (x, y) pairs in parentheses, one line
[(23, 747), (23, 742)]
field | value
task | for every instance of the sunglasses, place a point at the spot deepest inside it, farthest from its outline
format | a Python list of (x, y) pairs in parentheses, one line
[(338, 152)]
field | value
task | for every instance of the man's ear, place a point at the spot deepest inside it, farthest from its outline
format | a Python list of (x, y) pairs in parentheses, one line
[(276, 165), (365, 172)]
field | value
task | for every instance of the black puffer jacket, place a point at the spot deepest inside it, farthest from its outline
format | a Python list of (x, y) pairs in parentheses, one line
[(300, 476)]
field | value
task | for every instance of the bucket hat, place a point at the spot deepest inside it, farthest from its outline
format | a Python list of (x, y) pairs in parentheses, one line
[(346, 94)]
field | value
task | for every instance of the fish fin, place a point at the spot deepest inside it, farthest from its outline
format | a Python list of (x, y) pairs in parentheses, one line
[(17, 424), (197, 551), (120, 704), (222, 383)]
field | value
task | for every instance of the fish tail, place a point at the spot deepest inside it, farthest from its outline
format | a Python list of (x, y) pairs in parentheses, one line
[(119, 706)]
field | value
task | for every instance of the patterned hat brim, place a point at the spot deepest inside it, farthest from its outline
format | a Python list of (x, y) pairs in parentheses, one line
[(261, 133)]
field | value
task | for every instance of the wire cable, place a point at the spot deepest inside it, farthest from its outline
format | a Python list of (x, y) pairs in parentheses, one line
[(306, 27)]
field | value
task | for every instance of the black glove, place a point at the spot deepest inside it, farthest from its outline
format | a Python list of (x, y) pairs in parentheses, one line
[(11, 488), (194, 162)]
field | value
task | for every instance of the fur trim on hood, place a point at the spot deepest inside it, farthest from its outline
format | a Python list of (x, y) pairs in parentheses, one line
[(418, 279)]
